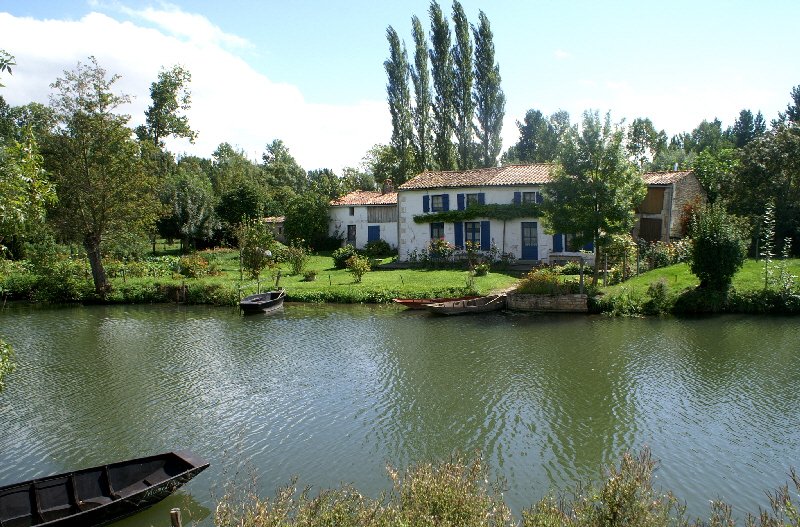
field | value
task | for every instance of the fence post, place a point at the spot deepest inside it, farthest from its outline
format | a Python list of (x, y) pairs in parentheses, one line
[(175, 517)]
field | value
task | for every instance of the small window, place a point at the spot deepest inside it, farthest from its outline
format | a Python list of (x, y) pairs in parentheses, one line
[(471, 199), (472, 231), (352, 211), (531, 197), (437, 231), (437, 202)]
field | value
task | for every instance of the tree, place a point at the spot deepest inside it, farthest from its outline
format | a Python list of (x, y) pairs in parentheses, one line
[(792, 109), (325, 183), (643, 142), (595, 187), (420, 76), (281, 169), (96, 166), (231, 169), (170, 95), (6, 61), (397, 69), (190, 197), (380, 162), (443, 85), (355, 179), (490, 101), (539, 141), (256, 245), (718, 248), (716, 172), (746, 128), (307, 219), (463, 75), (244, 202)]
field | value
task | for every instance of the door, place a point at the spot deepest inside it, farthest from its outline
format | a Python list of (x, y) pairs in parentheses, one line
[(373, 233), (351, 235), (530, 241)]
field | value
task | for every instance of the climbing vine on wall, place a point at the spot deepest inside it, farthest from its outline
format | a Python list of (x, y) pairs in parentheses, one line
[(493, 211)]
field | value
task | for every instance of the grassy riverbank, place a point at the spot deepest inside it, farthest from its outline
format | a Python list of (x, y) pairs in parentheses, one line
[(461, 493), (673, 289)]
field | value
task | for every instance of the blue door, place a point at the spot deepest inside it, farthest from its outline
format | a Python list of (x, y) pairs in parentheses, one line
[(530, 241), (373, 233)]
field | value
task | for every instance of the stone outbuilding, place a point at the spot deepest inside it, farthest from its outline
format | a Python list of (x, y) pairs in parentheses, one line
[(658, 216)]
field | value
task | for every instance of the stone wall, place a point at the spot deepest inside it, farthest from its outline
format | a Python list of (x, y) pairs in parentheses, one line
[(548, 303)]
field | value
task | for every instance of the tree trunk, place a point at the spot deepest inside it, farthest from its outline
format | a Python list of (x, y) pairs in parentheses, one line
[(596, 274), (91, 242)]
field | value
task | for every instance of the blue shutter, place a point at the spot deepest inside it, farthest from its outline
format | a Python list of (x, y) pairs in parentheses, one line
[(459, 232), (539, 197), (445, 202), (460, 201), (589, 246), (558, 243), (481, 198), (486, 237), (426, 203), (373, 233), (517, 198)]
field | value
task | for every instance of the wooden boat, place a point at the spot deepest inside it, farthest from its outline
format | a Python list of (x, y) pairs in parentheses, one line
[(483, 304), (262, 302), (419, 303), (99, 495)]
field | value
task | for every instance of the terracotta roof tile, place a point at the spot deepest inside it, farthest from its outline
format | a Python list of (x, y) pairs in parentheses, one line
[(664, 178), (365, 197), (479, 177)]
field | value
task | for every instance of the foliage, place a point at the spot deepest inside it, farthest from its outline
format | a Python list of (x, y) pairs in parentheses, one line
[(255, 246), (7, 364), (282, 170), (463, 79), (399, 98), (241, 203), (644, 143), (193, 266), (170, 95), (716, 171), (307, 219), (658, 298), (310, 275), (101, 185), (481, 269), (489, 98), (494, 211), (444, 89), (540, 138), (595, 187), (546, 281), (718, 248), (190, 196), (358, 266), (342, 254), (420, 76), (767, 252), (440, 249), (377, 248), (297, 255)]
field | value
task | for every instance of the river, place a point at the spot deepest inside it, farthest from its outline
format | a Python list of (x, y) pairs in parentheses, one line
[(335, 393)]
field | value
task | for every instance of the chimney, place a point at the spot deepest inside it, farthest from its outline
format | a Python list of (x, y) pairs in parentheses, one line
[(387, 187)]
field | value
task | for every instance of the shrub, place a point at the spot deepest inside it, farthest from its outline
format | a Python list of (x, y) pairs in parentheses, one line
[(440, 249), (341, 255), (658, 294), (719, 248), (543, 281), (624, 304), (297, 256), (574, 268), (309, 276), (377, 248), (358, 266), (192, 266), (482, 269)]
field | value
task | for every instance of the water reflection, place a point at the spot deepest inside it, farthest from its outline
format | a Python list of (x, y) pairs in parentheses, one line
[(334, 394)]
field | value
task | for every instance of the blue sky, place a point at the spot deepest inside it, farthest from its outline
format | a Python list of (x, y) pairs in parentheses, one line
[(311, 72)]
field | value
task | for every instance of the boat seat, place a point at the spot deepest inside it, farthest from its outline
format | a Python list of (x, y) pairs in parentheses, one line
[(57, 513), (94, 502), (133, 488)]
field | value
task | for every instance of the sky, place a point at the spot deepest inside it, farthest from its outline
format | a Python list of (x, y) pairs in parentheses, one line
[(310, 72)]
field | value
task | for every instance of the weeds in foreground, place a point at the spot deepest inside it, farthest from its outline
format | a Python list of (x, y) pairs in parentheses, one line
[(459, 493)]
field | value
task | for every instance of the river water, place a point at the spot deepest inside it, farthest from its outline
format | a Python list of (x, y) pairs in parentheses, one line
[(336, 393)]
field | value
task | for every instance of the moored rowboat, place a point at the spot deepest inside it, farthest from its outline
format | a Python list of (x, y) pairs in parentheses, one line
[(419, 303), (262, 302), (99, 495), (483, 304)]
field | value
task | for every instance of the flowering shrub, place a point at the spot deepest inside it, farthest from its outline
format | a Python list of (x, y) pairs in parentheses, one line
[(440, 249), (358, 266)]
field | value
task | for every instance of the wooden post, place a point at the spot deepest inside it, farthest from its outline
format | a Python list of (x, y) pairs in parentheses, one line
[(580, 260), (175, 517)]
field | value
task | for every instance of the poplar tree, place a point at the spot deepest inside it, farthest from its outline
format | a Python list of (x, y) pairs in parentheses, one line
[(398, 70), (442, 74), (490, 101), (463, 75), (423, 138)]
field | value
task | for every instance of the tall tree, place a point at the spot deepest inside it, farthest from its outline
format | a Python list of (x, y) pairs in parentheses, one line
[(537, 143), (102, 189), (595, 187), (190, 197), (442, 75), (463, 75), (281, 168), (793, 108), (6, 61), (746, 128), (643, 141), (397, 70), (490, 101), (420, 76), (170, 95)]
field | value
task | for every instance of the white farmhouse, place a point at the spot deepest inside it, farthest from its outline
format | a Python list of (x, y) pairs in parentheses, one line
[(362, 216), (430, 192)]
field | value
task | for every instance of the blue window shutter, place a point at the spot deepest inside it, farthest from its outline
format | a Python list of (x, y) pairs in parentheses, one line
[(426, 203), (486, 237), (459, 232), (589, 246), (460, 201), (517, 198), (445, 202), (539, 197), (481, 198), (558, 243), (373, 233)]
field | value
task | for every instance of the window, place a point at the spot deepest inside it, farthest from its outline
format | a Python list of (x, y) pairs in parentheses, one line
[(437, 202), (382, 214), (437, 230), (472, 231), (472, 199), (531, 197), (352, 211), (351, 234)]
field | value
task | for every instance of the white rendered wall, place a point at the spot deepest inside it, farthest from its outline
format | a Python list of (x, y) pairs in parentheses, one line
[(341, 218)]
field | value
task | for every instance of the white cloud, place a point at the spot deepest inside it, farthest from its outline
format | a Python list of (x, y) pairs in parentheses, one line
[(231, 102), (560, 54)]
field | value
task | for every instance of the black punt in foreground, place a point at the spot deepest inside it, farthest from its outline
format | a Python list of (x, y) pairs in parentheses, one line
[(262, 302), (98, 495)]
